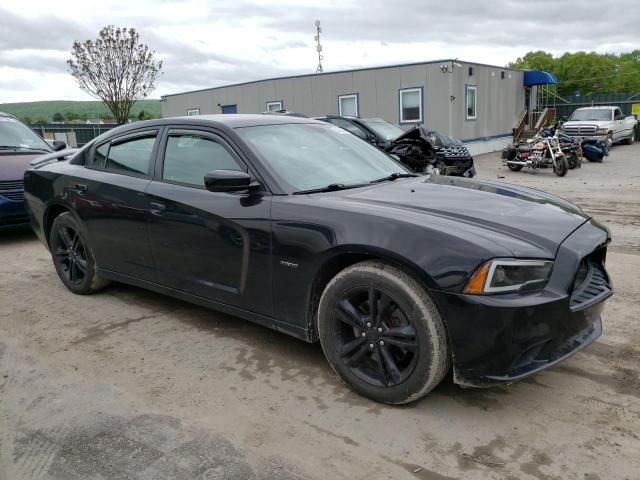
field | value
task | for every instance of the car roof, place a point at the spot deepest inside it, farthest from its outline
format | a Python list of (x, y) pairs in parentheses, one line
[(598, 107), (222, 121), (239, 120)]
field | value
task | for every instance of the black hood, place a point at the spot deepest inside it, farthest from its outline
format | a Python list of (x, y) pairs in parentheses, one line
[(520, 216)]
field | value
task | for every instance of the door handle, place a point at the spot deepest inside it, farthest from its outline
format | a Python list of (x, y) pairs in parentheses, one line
[(157, 208), (80, 188)]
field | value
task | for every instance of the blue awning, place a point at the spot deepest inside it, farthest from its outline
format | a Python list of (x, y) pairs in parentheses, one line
[(538, 77)]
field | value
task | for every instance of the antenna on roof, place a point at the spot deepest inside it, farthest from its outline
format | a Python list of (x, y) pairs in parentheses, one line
[(318, 47)]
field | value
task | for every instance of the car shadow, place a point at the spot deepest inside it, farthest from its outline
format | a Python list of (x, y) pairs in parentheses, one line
[(16, 235)]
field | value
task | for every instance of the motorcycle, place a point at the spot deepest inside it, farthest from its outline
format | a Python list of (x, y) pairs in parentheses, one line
[(542, 151)]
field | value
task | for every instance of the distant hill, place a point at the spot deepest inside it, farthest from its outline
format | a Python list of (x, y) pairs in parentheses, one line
[(93, 109)]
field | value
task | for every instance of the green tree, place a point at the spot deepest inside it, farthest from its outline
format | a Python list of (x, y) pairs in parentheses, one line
[(587, 72), (70, 116), (57, 117), (26, 119), (41, 120), (144, 115), (115, 68)]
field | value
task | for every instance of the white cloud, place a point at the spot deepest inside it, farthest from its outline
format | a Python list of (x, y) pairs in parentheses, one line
[(205, 44)]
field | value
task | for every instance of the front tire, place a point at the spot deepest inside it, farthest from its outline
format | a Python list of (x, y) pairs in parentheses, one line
[(382, 334), (561, 167), (72, 256)]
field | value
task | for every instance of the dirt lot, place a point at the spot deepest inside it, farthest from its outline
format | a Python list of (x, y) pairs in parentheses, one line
[(130, 384)]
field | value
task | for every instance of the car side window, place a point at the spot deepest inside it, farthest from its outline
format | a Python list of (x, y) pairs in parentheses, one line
[(130, 156), (339, 122), (100, 155), (617, 113), (189, 157)]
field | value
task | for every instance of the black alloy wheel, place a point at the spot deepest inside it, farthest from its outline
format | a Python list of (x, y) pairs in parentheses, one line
[(382, 333), (375, 337), (71, 255)]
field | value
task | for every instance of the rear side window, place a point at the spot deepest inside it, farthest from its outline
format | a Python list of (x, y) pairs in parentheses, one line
[(188, 158), (130, 156)]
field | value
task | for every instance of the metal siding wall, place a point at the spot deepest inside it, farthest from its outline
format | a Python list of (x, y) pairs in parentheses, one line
[(364, 84), (437, 99), (499, 101)]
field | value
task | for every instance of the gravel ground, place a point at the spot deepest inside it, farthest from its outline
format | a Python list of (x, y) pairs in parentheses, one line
[(131, 384)]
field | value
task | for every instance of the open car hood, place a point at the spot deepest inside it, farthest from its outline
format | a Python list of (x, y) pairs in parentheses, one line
[(435, 139)]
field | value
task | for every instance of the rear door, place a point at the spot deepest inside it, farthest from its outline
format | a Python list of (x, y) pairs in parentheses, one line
[(109, 197), (211, 244)]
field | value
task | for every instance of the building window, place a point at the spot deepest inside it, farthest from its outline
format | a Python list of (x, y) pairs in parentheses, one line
[(348, 105), (193, 111), (275, 106), (471, 102), (411, 105)]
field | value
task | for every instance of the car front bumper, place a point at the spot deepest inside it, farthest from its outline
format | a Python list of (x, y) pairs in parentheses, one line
[(504, 338), (12, 213)]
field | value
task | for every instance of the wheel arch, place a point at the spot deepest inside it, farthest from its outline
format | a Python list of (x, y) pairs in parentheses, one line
[(337, 259), (50, 214)]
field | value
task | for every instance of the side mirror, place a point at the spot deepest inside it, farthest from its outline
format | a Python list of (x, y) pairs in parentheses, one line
[(228, 181), (59, 145)]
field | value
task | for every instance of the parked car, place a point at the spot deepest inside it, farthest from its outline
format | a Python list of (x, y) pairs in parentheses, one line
[(300, 226), (18, 146), (420, 149), (607, 124)]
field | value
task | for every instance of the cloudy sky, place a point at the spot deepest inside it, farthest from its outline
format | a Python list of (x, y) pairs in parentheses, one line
[(210, 43)]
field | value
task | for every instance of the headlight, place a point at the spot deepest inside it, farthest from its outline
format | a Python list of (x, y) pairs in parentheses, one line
[(502, 276), (603, 131)]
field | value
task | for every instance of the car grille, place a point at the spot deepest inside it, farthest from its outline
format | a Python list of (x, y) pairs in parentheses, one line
[(13, 185), (13, 190), (14, 196), (452, 170), (591, 283), (580, 130), (453, 152)]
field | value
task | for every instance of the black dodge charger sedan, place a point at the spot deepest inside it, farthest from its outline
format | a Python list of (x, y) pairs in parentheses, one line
[(301, 226)]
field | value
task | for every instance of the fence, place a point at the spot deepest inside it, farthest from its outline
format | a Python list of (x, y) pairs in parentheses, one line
[(565, 106), (73, 134)]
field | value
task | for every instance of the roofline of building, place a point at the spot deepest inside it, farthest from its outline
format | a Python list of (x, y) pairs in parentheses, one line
[(287, 77)]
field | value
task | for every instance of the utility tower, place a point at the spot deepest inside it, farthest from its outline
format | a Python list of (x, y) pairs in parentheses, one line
[(318, 47)]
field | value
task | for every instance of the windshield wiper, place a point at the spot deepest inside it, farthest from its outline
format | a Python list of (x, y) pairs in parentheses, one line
[(18, 147), (333, 187), (394, 176)]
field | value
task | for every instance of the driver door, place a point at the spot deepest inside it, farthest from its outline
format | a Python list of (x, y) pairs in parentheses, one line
[(211, 244)]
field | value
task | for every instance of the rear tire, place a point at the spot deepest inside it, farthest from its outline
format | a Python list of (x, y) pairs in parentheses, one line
[(630, 140), (395, 352), (561, 167), (72, 256), (515, 168), (573, 161)]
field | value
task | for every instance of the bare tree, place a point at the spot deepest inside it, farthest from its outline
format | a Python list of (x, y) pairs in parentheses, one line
[(115, 68)]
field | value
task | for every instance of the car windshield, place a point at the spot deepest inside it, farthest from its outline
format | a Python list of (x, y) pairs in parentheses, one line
[(383, 129), (591, 114), (309, 156), (15, 135)]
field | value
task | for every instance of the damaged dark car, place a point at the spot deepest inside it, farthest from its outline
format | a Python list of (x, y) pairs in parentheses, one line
[(301, 227), (420, 149)]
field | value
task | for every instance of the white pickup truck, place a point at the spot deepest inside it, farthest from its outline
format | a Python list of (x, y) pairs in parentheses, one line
[(602, 123)]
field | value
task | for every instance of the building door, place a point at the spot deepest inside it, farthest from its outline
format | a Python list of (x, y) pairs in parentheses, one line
[(229, 108)]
